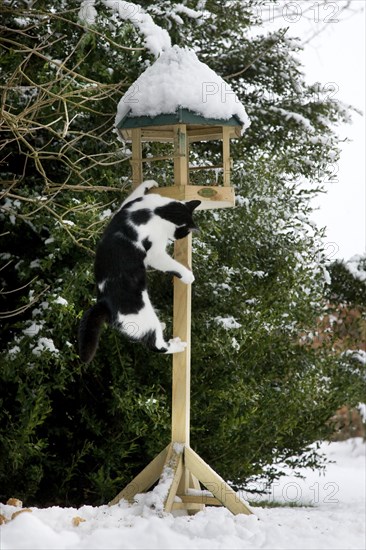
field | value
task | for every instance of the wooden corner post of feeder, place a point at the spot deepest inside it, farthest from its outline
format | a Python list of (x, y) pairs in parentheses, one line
[(178, 462)]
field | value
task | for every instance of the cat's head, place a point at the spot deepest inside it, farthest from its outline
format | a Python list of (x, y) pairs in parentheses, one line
[(188, 225), (180, 214)]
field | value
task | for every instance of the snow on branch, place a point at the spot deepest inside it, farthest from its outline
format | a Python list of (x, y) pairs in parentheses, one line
[(156, 40), (357, 267), (181, 8)]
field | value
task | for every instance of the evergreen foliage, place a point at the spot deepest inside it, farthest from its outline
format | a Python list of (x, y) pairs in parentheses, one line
[(72, 433), (348, 281), (346, 293)]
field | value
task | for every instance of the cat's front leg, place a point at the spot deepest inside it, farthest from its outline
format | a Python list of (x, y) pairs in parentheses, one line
[(164, 262), (187, 277)]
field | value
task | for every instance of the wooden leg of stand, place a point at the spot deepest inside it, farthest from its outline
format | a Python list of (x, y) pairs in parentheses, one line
[(195, 484), (173, 469), (214, 483), (145, 479)]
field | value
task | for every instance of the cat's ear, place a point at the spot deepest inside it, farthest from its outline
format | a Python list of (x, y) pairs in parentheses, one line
[(191, 205)]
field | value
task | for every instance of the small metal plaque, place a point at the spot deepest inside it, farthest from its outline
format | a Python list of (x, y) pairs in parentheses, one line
[(207, 192)]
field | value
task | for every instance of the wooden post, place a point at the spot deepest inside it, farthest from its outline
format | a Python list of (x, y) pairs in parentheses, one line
[(182, 306), (182, 361)]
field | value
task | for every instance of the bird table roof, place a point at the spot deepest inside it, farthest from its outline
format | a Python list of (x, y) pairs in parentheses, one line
[(178, 88)]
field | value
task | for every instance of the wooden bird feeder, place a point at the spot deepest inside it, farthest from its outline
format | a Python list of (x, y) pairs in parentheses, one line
[(186, 471), (182, 129)]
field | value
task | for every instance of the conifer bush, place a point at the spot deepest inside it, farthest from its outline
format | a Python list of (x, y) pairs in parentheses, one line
[(72, 433)]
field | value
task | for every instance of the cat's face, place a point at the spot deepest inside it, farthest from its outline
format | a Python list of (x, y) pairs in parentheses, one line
[(189, 225), (180, 214)]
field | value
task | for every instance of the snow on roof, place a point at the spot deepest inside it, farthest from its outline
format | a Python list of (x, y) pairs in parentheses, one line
[(179, 79)]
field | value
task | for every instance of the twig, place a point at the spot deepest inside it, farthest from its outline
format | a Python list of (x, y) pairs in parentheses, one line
[(261, 54)]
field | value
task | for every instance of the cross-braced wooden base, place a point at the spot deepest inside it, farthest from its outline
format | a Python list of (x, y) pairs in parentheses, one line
[(180, 471)]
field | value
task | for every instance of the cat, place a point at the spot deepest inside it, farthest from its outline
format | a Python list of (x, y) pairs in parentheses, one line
[(135, 238)]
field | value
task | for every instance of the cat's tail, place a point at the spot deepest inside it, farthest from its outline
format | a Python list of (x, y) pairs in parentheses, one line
[(89, 329)]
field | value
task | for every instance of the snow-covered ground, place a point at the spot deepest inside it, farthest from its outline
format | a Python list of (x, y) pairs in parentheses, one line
[(320, 511)]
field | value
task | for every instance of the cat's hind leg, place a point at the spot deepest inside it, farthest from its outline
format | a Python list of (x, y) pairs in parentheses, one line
[(153, 341), (154, 338), (145, 327), (176, 345)]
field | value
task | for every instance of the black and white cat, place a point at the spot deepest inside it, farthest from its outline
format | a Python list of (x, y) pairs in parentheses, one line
[(136, 237)]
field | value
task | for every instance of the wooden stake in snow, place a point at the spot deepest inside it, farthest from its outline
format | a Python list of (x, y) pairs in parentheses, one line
[(179, 469)]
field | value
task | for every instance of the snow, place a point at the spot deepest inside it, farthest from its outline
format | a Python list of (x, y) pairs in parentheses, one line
[(32, 330), (14, 350), (87, 13), (227, 322), (235, 344), (327, 277), (156, 38), (155, 498), (359, 355), (44, 344), (193, 14), (300, 119), (62, 301), (354, 266), (107, 213), (362, 410), (179, 79), (329, 514)]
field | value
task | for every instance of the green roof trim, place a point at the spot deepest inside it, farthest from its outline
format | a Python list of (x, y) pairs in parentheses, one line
[(181, 116)]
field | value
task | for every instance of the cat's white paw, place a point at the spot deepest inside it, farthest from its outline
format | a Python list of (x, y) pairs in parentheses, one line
[(149, 184), (187, 277), (176, 345)]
